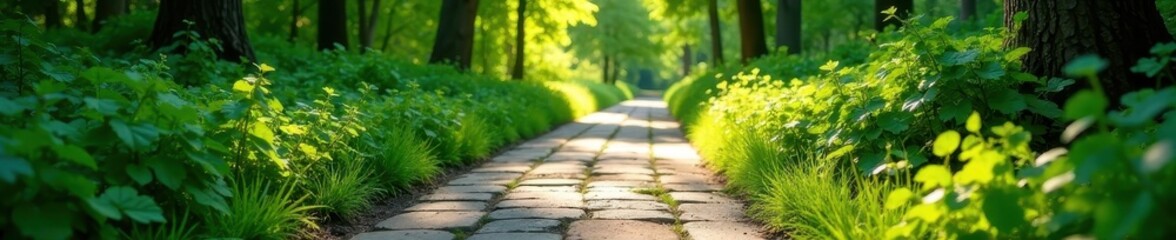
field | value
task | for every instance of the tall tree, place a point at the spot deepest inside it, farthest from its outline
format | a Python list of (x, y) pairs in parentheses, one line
[(106, 9), (788, 25), (294, 17), (367, 23), (516, 72), (455, 33), (52, 14), (1059, 31), (712, 12), (904, 8), (751, 29), (687, 60), (80, 14), (219, 19), (967, 9), (332, 25)]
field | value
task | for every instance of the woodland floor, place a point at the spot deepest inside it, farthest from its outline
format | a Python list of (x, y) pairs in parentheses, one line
[(626, 172)]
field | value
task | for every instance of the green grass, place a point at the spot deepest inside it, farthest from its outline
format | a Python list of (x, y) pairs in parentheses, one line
[(403, 160), (344, 190), (810, 200), (261, 209)]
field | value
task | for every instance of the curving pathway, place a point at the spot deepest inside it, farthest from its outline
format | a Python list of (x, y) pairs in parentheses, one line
[(625, 172)]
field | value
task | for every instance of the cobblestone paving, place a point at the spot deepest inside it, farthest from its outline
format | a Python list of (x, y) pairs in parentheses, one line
[(626, 172)]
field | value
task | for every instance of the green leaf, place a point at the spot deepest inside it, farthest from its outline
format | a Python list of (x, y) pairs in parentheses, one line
[(830, 66), (1007, 102), (129, 203), (959, 112), (898, 198), (242, 86), (139, 173), (991, 71), (76, 155), (1144, 106), (9, 107), (946, 143), (1085, 103), (1016, 54), (1002, 210), (1163, 49), (138, 137), (959, 58), (12, 167), (933, 176), (43, 221), (1149, 66), (1044, 108), (1056, 85), (1085, 66), (169, 172), (895, 122), (973, 124), (102, 106)]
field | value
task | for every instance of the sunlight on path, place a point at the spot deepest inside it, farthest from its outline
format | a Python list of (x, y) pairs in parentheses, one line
[(626, 172)]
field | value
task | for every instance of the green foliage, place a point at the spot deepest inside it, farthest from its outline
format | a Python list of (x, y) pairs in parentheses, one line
[(103, 146)]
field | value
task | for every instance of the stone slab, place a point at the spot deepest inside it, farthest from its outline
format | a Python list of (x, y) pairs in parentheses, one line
[(471, 189), (454, 206), (618, 196), (701, 197), (722, 231), (458, 197), (712, 212), (565, 196), (405, 235), (619, 229), (625, 214), (545, 213), (539, 203), (520, 225), (626, 204), (432, 220), (550, 182), (693, 187), (515, 236)]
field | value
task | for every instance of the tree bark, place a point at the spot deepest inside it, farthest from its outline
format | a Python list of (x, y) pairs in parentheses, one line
[(1058, 31), (687, 60), (219, 19), (788, 25), (751, 30), (332, 25), (297, 14), (80, 14), (604, 74), (455, 33), (616, 68), (367, 24), (904, 11), (516, 72), (967, 10), (52, 14), (715, 31), (106, 9)]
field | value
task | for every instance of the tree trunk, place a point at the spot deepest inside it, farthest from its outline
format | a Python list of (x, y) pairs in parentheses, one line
[(297, 14), (52, 14), (904, 11), (715, 31), (687, 60), (967, 10), (367, 24), (332, 25), (106, 9), (616, 68), (455, 33), (219, 19), (604, 74), (80, 14), (1060, 30), (751, 30), (788, 25), (516, 72)]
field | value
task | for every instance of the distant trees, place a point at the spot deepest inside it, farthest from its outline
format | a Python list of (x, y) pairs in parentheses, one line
[(516, 71), (219, 19), (332, 25), (455, 33), (788, 25), (716, 33), (967, 9), (106, 9), (1120, 31), (368, 17), (751, 29)]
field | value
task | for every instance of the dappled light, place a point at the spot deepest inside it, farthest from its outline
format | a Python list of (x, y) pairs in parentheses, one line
[(587, 119)]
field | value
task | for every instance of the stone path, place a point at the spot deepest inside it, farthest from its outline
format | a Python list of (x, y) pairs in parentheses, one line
[(626, 172)]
